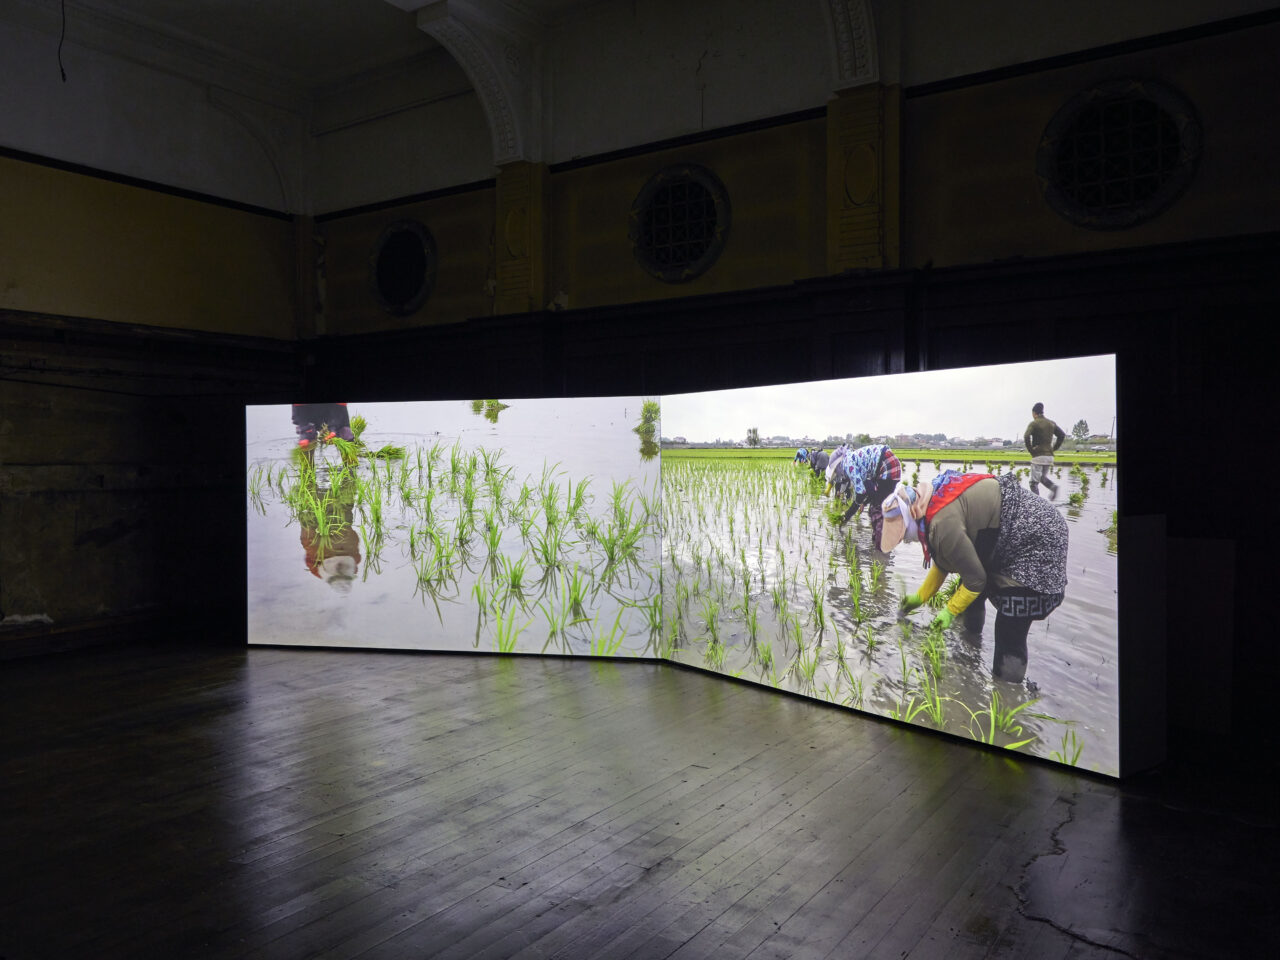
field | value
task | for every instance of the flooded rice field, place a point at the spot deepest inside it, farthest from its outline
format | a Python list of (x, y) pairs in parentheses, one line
[(761, 582), (529, 526)]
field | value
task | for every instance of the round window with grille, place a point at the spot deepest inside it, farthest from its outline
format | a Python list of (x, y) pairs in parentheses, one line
[(679, 223), (403, 267), (1119, 153)]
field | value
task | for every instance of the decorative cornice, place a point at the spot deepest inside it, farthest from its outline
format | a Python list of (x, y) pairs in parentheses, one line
[(501, 56), (857, 60)]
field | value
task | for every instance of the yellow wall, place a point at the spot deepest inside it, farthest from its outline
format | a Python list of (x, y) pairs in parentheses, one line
[(462, 226), (970, 190), (776, 181), (79, 246)]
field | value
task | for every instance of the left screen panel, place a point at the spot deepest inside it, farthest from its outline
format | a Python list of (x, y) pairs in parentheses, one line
[(518, 526)]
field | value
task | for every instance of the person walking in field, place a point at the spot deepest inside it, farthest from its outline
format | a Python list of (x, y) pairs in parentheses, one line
[(1042, 438), (1007, 544), (871, 473)]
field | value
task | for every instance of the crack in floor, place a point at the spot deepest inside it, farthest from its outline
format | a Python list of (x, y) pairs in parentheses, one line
[(1058, 849)]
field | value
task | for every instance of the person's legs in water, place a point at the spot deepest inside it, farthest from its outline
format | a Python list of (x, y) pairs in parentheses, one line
[(879, 492), (1010, 660), (975, 616)]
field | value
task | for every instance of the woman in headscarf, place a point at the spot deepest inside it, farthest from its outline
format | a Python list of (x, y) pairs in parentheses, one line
[(802, 456), (834, 471), (870, 475), (1008, 546)]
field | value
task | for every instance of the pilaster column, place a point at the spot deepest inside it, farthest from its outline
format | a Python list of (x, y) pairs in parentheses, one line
[(522, 237), (863, 178)]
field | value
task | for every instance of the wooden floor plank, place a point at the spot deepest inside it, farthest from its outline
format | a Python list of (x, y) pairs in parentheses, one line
[(278, 803)]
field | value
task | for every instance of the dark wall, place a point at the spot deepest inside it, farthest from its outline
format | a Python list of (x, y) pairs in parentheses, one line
[(122, 478)]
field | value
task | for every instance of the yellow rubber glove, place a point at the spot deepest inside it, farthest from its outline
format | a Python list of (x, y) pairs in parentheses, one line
[(960, 600), (932, 581)]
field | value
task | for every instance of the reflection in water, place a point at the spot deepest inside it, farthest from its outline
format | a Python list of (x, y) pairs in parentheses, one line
[(329, 541), (650, 416), (489, 408), (522, 561)]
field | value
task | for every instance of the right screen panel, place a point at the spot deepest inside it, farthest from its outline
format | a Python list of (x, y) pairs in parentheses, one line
[(939, 548)]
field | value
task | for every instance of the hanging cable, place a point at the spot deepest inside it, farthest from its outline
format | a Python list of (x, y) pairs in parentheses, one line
[(62, 36)]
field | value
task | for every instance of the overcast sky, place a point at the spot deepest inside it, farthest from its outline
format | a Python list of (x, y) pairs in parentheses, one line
[(976, 401)]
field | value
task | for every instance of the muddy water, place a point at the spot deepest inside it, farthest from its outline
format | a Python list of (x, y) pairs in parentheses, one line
[(387, 604), (784, 547)]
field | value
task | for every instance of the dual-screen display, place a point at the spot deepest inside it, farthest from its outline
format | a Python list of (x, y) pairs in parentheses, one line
[(743, 532)]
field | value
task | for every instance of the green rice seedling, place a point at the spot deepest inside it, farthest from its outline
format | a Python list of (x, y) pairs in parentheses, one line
[(619, 505), (715, 654), (943, 596), (652, 610), (575, 590), (797, 633), (492, 533), (388, 451), (856, 691), (998, 719), (752, 622), (872, 639), (1076, 499), (576, 500), (557, 618), (483, 596), (764, 656), (935, 649), (777, 593), (257, 483), (682, 596), (806, 666), (711, 617), (506, 633), (547, 546), (820, 616), (877, 574), (513, 572), (464, 528), (1072, 747), (932, 706), (551, 504), (607, 644)]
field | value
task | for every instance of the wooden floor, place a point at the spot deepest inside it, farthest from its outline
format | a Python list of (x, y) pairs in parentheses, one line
[(299, 803)]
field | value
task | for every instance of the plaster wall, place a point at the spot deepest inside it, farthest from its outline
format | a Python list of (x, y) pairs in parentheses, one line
[(776, 181), (120, 116), (970, 190), (462, 226), (621, 74), (940, 39), (80, 246), (396, 134)]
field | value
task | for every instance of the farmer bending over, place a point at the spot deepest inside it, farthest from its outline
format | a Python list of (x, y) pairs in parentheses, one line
[(871, 473), (1007, 545)]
